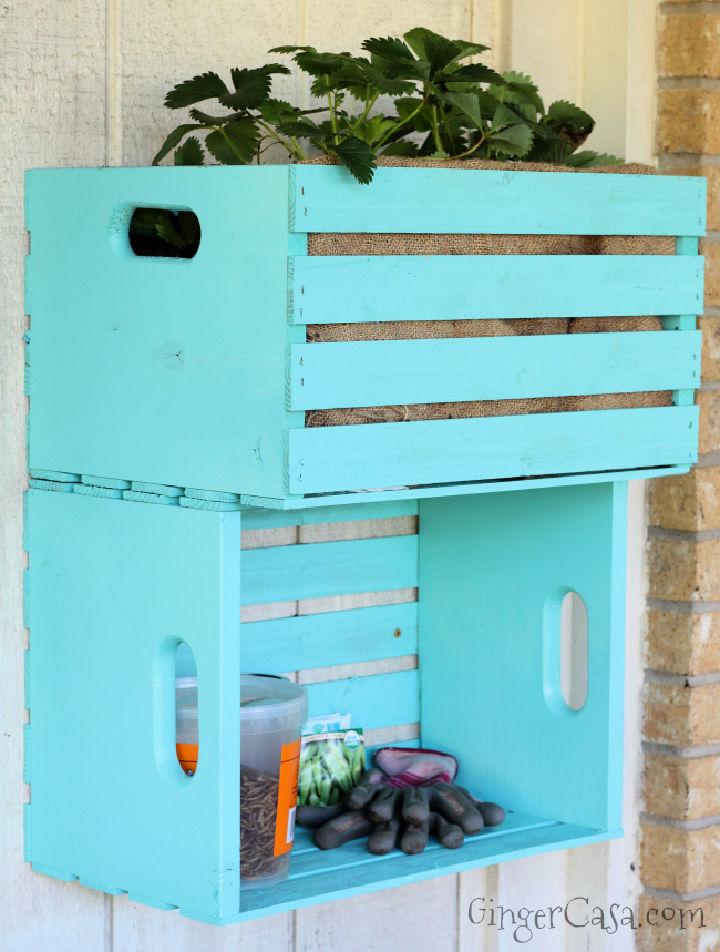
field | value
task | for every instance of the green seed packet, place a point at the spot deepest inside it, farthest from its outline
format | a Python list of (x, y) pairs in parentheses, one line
[(331, 764)]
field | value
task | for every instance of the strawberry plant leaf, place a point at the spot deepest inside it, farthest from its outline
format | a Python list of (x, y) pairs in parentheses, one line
[(189, 153), (513, 141), (357, 156), (586, 160), (235, 143), (198, 89), (175, 137), (389, 48), (437, 50)]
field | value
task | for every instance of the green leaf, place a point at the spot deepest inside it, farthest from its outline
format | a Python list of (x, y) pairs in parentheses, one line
[(252, 86), (389, 48), (403, 147), (357, 156), (515, 141), (469, 106), (438, 50), (289, 49), (278, 110), (235, 143), (466, 48), (189, 153), (176, 136), (504, 117), (586, 160), (318, 64), (198, 89), (374, 129), (567, 112), (208, 120), (300, 127), (472, 73)]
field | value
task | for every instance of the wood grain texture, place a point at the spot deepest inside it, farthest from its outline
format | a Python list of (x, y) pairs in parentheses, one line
[(389, 373), (504, 203), (449, 287), (328, 459), (52, 77)]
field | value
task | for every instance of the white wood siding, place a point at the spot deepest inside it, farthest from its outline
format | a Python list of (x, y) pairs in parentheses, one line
[(82, 83)]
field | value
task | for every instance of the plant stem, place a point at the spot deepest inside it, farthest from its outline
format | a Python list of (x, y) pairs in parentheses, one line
[(410, 115), (364, 114), (291, 147), (467, 152), (435, 122)]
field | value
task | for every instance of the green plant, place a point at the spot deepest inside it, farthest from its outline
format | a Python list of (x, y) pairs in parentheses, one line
[(446, 106)]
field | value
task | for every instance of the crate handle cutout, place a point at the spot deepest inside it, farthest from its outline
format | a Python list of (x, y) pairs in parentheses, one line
[(565, 653), (156, 231), (173, 661)]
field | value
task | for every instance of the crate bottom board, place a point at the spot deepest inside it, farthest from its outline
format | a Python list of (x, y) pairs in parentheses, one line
[(318, 876), (322, 876)]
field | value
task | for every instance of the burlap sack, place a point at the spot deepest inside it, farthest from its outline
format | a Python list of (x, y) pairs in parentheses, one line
[(444, 244)]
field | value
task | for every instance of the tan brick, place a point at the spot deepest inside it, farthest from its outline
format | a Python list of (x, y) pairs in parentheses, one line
[(712, 174), (710, 327), (685, 861), (680, 787), (682, 716), (669, 926), (684, 570), (683, 642), (689, 120), (690, 502), (710, 251), (689, 45), (709, 403)]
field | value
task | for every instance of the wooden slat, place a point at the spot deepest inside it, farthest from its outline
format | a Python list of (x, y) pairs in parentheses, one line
[(353, 289), (328, 459), (382, 373), (317, 876), (378, 700), (270, 519), (294, 572), (464, 201), (331, 638)]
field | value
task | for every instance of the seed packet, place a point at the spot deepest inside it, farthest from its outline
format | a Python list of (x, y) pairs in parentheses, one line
[(331, 760)]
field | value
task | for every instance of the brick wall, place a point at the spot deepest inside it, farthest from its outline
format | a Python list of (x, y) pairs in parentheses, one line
[(680, 853)]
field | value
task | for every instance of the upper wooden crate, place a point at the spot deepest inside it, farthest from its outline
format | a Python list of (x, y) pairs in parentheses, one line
[(197, 373)]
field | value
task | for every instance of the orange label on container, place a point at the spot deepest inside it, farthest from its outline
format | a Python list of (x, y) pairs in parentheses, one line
[(287, 797), (187, 755)]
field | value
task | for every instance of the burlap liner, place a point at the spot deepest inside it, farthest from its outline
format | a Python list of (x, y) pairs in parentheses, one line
[(457, 244)]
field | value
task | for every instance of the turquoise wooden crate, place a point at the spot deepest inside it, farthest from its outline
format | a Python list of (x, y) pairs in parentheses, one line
[(114, 585), (197, 374)]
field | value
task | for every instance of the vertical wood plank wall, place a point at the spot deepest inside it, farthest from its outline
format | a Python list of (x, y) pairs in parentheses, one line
[(82, 84)]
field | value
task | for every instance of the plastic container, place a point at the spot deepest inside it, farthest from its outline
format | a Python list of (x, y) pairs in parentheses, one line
[(272, 712)]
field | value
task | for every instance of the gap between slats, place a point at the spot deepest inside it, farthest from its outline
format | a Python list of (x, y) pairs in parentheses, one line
[(380, 623)]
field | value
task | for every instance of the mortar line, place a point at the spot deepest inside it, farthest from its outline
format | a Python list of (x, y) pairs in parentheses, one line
[(690, 826), (682, 753)]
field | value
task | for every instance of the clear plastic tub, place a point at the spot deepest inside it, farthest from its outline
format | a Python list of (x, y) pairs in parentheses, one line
[(272, 712)]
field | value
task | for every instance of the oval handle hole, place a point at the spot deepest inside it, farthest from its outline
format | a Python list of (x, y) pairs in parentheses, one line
[(164, 233), (175, 710), (186, 709), (574, 651)]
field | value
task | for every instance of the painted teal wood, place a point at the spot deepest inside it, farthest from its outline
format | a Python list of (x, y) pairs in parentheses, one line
[(503, 203), (113, 587), (270, 519), (294, 505), (356, 875), (330, 638), (490, 628), (168, 370), (174, 372), (179, 572), (386, 373), (293, 572), (376, 700), (686, 246), (327, 459), (446, 287)]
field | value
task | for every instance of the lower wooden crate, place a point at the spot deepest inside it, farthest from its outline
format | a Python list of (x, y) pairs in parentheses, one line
[(466, 644)]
